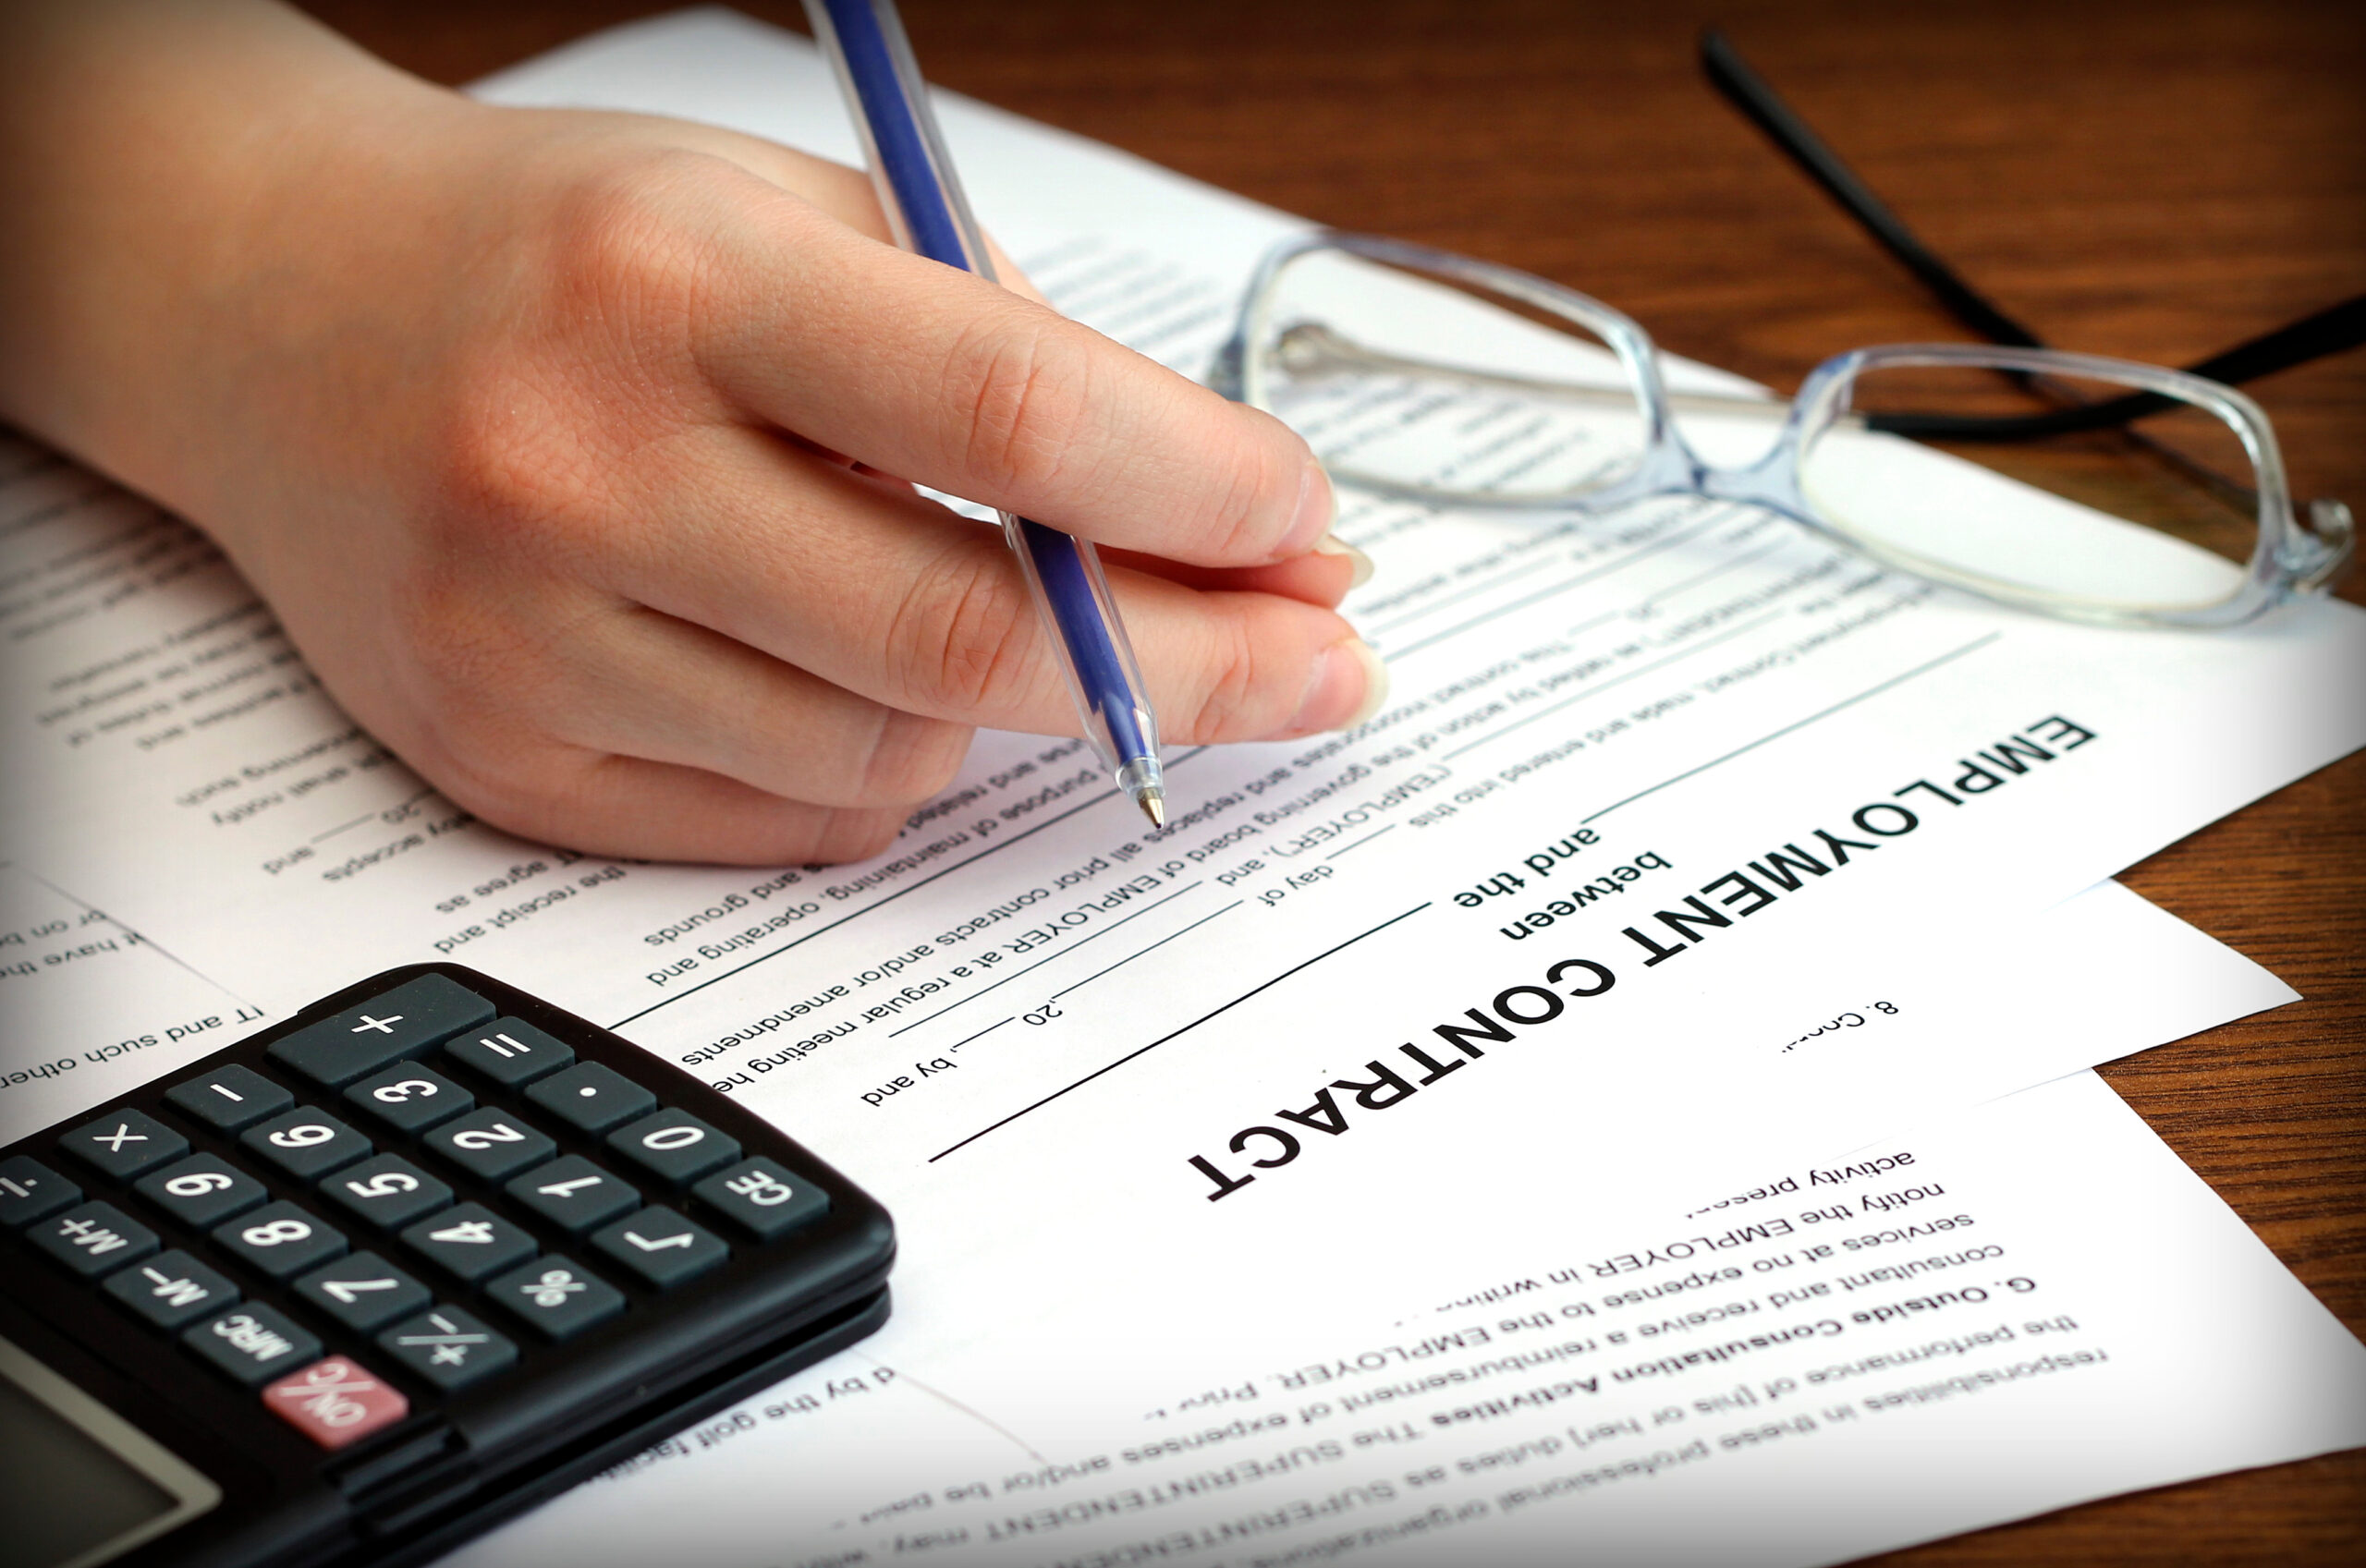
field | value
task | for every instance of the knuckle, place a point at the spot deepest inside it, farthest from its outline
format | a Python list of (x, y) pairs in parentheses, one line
[(1244, 690), (960, 633), (629, 254), (911, 760), (1024, 388)]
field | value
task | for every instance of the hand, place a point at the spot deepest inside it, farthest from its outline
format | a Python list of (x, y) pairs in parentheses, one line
[(560, 443)]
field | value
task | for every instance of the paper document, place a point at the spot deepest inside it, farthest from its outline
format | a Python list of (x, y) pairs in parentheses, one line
[(1687, 844), (2035, 1306)]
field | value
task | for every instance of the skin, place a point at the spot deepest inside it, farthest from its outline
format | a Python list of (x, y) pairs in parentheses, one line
[(561, 443)]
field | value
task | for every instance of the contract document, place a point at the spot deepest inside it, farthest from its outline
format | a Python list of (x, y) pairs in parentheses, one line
[(1687, 843), (2031, 1306)]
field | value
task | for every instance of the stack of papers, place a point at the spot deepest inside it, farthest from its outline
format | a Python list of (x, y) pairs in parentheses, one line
[(1590, 1103)]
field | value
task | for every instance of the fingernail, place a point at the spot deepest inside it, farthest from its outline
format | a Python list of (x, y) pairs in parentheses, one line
[(1344, 669), (1318, 508), (1359, 563)]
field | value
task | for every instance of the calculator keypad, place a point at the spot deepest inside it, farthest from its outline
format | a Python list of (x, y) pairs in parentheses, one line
[(422, 1123)]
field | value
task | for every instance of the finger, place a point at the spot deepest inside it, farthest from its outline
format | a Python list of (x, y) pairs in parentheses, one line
[(1323, 576), (942, 378), (912, 606), (641, 683), (629, 807)]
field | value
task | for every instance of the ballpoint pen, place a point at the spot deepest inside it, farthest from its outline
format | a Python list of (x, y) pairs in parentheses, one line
[(922, 196)]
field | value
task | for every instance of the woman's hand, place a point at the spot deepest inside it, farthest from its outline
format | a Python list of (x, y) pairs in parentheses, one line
[(559, 441)]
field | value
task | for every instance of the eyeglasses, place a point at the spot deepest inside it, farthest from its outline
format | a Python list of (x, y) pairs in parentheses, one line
[(1432, 377)]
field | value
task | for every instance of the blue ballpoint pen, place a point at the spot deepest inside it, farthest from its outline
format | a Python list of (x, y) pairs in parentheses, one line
[(864, 40)]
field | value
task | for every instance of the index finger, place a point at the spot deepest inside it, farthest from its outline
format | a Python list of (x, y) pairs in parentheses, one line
[(949, 381)]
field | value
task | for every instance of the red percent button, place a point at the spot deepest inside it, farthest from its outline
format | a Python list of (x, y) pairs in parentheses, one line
[(334, 1402)]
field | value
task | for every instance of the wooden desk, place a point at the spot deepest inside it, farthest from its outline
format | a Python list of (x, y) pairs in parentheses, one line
[(2154, 179)]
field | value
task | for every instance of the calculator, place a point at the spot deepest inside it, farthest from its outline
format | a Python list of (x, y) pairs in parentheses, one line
[(359, 1286)]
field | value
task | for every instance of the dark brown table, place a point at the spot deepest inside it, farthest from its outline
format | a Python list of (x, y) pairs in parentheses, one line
[(2151, 178)]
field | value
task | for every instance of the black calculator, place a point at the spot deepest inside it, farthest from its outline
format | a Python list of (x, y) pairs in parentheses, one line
[(364, 1284)]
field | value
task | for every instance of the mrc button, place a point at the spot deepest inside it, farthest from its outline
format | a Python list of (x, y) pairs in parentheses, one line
[(253, 1344), (406, 1021)]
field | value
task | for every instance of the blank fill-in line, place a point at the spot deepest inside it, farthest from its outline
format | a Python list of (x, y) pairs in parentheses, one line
[(1514, 575), (1151, 948), (1972, 646), (1362, 842), (1725, 635), (1644, 553), (1179, 1034), (1063, 953)]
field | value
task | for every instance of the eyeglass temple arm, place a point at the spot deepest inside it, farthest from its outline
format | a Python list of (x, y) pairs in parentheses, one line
[(2328, 331), (1751, 92)]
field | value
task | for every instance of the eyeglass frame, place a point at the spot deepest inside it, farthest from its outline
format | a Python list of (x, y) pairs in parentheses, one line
[(2287, 561)]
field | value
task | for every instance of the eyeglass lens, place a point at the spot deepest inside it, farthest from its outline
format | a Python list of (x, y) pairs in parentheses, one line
[(1404, 380), (2142, 518)]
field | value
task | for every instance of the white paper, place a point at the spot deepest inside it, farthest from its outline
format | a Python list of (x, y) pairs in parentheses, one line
[(88, 1009), (1026, 995), (2080, 1316)]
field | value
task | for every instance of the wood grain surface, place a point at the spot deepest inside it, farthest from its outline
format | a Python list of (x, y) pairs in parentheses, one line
[(2155, 180)]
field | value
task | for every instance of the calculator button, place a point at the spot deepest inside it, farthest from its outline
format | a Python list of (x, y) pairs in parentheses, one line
[(334, 1402), (386, 1190), (471, 1241), (279, 1239), (556, 1295), (94, 1238), (592, 1097), (574, 1194), (449, 1348), (171, 1289), (202, 1190), (510, 1053), (660, 1247), (253, 1343), (405, 1021), (230, 1098), (31, 1190), (124, 1143), (363, 1291), (762, 1198), (491, 1144), (306, 1143), (409, 1097), (673, 1146)]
